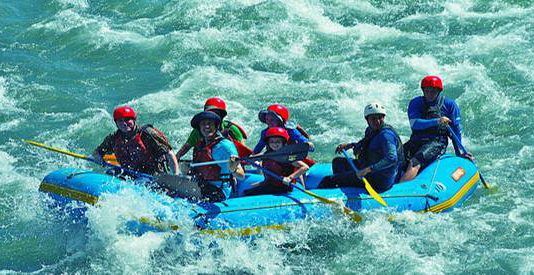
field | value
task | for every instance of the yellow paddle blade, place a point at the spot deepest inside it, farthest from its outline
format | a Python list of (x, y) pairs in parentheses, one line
[(484, 182), (347, 211), (65, 152), (373, 193)]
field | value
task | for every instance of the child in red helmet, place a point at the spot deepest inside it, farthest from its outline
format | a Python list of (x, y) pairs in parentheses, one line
[(277, 115), (276, 138)]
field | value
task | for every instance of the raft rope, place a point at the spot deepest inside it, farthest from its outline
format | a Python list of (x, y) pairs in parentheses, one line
[(432, 182)]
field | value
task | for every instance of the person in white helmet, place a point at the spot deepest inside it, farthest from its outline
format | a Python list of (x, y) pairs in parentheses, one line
[(379, 155)]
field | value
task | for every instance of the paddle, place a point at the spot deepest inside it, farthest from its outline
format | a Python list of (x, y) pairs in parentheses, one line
[(180, 186), (457, 142), (368, 186), (347, 211), (288, 153), (65, 152), (111, 158)]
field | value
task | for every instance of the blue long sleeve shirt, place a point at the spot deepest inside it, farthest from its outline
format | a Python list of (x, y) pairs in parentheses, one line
[(384, 146), (416, 113)]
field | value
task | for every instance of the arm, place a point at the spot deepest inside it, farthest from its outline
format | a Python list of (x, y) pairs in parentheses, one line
[(235, 132), (192, 140), (260, 145), (301, 170), (172, 163), (102, 149), (297, 136), (347, 146), (227, 150), (416, 116), (389, 150), (185, 148), (235, 167), (159, 145)]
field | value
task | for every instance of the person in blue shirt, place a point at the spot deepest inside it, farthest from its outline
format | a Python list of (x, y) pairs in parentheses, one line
[(216, 181), (429, 116), (277, 115), (379, 155)]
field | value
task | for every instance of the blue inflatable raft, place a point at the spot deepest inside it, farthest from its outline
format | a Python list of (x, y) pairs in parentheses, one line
[(442, 186)]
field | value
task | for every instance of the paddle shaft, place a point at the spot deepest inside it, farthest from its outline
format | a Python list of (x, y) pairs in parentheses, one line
[(290, 153), (456, 141), (346, 210), (198, 164), (366, 183), (103, 163)]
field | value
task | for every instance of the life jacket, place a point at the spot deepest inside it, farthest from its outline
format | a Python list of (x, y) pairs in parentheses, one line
[(302, 131), (368, 156), (431, 112), (242, 149), (134, 154), (202, 153), (228, 123), (293, 125), (282, 169)]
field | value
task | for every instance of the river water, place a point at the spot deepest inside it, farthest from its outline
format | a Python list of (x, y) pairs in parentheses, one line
[(65, 64)]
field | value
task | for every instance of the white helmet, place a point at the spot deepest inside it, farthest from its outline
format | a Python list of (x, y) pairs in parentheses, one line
[(373, 109)]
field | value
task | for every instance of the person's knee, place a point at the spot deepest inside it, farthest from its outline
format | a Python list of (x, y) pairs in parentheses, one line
[(339, 165), (411, 171)]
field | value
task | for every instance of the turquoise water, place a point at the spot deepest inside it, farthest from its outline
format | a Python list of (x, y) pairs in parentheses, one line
[(65, 64)]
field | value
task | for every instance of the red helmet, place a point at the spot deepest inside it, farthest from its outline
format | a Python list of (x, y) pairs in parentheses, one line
[(215, 104), (432, 81), (122, 112), (280, 110), (276, 132)]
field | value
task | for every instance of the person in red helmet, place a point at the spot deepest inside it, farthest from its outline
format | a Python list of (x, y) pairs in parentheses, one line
[(228, 129), (276, 138), (140, 148), (429, 116), (277, 115)]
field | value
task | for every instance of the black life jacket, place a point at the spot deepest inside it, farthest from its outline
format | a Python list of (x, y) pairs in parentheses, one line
[(431, 112), (363, 152), (132, 152)]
